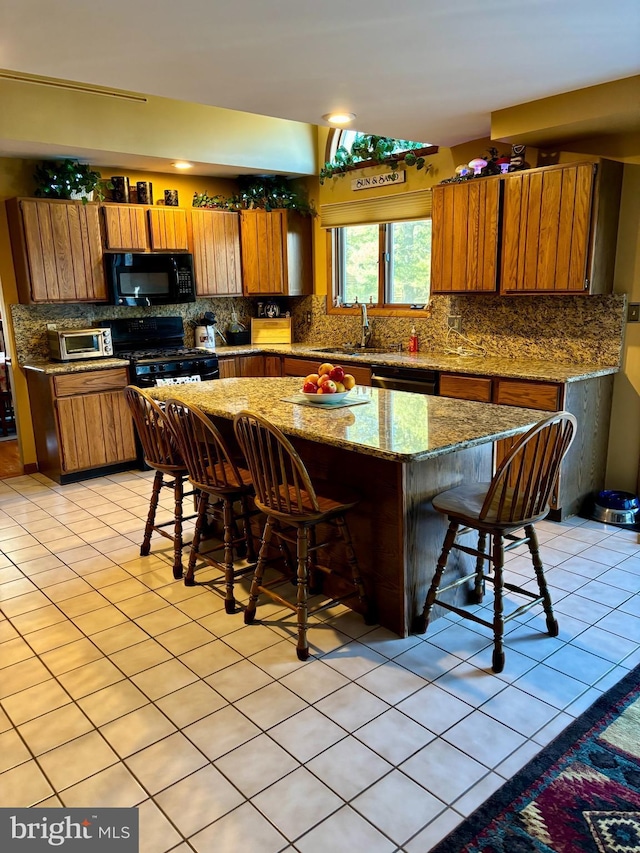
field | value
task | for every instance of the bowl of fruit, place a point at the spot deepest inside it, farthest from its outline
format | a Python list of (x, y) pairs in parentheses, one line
[(328, 386)]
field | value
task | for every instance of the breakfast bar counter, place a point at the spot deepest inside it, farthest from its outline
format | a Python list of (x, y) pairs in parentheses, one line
[(397, 449)]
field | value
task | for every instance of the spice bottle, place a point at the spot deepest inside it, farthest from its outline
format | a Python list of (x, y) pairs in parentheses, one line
[(413, 340)]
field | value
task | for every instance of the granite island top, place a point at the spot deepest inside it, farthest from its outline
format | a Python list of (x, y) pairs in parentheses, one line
[(544, 371), (391, 425)]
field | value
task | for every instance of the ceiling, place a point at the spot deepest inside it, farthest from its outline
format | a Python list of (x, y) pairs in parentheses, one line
[(413, 69)]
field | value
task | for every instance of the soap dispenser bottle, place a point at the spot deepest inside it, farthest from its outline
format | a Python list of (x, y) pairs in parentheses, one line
[(413, 340)]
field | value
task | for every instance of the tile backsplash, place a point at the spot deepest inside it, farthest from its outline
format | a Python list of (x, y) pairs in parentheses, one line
[(565, 329)]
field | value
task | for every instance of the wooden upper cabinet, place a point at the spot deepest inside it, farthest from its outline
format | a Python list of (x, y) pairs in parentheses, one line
[(125, 227), (168, 229), (215, 243), (464, 247), (57, 250), (547, 229), (276, 253)]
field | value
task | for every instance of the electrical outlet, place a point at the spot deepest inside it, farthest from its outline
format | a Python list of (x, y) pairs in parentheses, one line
[(52, 326), (633, 312), (454, 321), (309, 317)]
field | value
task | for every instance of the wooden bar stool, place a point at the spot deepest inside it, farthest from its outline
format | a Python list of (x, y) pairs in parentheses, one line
[(284, 492), (161, 453), (214, 473), (517, 497)]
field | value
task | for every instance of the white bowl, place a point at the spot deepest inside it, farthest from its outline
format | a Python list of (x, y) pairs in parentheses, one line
[(326, 399)]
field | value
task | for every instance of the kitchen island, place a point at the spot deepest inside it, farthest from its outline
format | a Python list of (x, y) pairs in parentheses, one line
[(397, 449)]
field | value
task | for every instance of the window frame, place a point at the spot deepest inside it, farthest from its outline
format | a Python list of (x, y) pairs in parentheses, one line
[(379, 308)]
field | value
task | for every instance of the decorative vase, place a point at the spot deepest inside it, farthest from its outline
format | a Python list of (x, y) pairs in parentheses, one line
[(145, 192)]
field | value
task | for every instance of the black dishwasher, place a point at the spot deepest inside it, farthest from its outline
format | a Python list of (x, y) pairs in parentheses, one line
[(405, 379)]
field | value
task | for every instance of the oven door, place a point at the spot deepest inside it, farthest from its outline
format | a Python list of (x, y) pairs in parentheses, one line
[(175, 372)]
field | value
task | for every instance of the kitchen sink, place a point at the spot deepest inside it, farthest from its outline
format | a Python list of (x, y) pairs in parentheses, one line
[(356, 350)]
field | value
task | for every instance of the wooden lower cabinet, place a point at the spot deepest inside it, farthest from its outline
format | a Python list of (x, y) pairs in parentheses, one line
[(304, 366), (250, 365), (82, 423), (589, 400)]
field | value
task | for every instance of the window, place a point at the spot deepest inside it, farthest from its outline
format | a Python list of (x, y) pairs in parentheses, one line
[(387, 264)]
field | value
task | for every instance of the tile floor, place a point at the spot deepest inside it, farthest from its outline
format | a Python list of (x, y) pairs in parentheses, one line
[(121, 687)]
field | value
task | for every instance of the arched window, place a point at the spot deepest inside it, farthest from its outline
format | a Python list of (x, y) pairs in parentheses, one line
[(343, 138)]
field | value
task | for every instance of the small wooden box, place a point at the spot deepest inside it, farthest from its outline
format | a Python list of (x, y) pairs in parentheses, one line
[(271, 331)]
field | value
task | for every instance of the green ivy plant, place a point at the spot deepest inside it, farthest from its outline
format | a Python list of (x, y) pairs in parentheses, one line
[(381, 150), (270, 192), (59, 179)]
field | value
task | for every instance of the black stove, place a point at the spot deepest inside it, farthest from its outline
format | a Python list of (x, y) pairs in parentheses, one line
[(156, 352)]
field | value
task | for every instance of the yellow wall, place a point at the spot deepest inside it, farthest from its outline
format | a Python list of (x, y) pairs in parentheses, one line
[(624, 440), (16, 179)]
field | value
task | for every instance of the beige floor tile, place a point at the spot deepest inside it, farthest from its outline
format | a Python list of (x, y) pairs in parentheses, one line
[(112, 702), (54, 537), (140, 657), (6, 724), (90, 678), (221, 732), (93, 564), (238, 680), (185, 638), (7, 631), (353, 832), (349, 767), (197, 800), (24, 786), (75, 549), (142, 604), (14, 651), (166, 762), (17, 541), (256, 764), (314, 681), (82, 604), (136, 730), (35, 620), (12, 750), (16, 588), (34, 701), (163, 620), (100, 620), (20, 676), (80, 758), (244, 828), (279, 660), (10, 573), (71, 656), (55, 728), (54, 636), (164, 678), (200, 605), (105, 577), (30, 553), (112, 788), (119, 637), (157, 835), (125, 589), (13, 607), (270, 705), (210, 658), (68, 589), (40, 564), (191, 703)]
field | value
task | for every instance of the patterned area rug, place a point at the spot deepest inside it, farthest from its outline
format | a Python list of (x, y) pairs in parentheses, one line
[(581, 794)]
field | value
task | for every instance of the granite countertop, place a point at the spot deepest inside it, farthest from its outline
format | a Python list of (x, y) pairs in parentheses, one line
[(549, 371), (545, 371), (391, 425)]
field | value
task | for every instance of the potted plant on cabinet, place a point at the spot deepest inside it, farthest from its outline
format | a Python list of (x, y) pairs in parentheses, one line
[(69, 179)]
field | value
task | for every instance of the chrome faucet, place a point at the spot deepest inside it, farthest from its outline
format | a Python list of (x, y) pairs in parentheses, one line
[(366, 326)]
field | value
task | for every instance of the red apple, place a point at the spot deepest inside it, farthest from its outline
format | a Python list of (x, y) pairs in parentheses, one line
[(329, 387), (309, 387), (326, 367), (337, 374)]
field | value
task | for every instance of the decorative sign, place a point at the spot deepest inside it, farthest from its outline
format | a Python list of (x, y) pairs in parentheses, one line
[(379, 180)]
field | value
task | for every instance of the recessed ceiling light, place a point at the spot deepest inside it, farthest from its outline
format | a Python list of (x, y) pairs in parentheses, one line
[(339, 118), (182, 164)]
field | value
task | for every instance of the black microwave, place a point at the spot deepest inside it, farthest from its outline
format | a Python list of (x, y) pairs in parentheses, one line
[(150, 279)]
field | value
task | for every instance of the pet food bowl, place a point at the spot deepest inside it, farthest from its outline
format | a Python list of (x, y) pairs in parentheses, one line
[(614, 507)]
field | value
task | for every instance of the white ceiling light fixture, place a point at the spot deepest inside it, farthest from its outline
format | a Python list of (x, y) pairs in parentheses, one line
[(182, 164), (339, 118)]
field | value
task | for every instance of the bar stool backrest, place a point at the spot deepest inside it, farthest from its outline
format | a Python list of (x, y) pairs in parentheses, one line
[(521, 487), (158, 444), (280, 479), (209, 462)]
